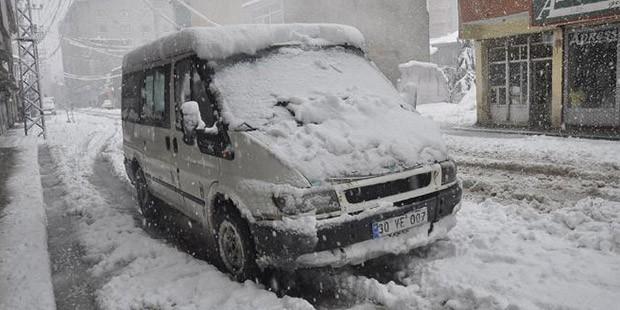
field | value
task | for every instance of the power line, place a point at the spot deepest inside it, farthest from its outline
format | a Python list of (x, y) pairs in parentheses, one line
[(90, 78)]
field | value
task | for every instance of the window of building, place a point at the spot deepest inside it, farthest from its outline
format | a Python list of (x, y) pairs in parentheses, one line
[(510, 64), (592, 69)]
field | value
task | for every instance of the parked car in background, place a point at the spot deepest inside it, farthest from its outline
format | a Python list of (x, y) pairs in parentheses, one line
[(49, 105), (107, 104), (286, 145)]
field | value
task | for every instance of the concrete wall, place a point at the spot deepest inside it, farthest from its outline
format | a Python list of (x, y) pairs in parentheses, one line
[(444, 17), (224, 12), (396, 30)]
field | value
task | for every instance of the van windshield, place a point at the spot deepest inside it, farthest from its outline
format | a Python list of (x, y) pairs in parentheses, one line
[(328, 112), (296, 83)]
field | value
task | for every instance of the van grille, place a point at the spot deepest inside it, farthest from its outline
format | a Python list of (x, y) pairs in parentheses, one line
[(377, 191)]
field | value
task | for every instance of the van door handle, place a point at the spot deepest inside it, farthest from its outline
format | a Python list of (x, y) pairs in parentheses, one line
[(168, 143), (175, 144)]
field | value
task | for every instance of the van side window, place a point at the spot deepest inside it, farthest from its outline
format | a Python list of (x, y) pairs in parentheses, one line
[(155, 94), (190, 86), (132, 100), (182, 88), (199, 94)]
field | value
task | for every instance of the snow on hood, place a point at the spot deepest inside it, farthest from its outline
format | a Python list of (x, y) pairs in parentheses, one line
[(327, 112), (216, 43)]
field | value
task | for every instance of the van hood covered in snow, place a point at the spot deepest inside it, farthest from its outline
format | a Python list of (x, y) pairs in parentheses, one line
[(327, 112)]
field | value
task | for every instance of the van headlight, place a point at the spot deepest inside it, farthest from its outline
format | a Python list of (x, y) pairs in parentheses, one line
[(448, 172), (321, 202)]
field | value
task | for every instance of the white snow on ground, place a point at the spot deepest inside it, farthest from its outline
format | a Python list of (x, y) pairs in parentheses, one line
[(25, 275), (555, 153), (447, 115), (512, 257), (136, 270)]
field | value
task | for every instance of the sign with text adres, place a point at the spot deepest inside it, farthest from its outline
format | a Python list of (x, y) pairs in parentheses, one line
[(546, 12)]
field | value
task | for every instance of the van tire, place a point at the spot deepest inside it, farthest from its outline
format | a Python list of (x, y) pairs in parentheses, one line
[(147, 203), (234, 245)]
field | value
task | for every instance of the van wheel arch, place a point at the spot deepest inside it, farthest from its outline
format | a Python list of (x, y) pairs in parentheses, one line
[(225, 211)]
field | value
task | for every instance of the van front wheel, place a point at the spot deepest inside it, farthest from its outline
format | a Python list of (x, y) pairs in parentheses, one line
[(235, 247)]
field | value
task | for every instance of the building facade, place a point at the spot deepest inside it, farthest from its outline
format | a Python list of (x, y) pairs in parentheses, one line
[(223, 12), (546, 63), (96, 34), (397, 31), (444, 17), (9, 111)]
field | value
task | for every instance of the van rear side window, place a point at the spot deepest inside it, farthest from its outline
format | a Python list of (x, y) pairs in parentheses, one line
[(132, 101), (146, 97)]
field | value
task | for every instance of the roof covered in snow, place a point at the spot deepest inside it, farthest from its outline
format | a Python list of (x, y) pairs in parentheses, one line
[(215, 43)]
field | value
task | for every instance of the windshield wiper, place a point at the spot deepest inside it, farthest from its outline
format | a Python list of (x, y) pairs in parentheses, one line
[(245, 127), (285, 104)]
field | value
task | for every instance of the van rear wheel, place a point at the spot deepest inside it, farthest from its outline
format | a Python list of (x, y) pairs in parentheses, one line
[(235, 248)]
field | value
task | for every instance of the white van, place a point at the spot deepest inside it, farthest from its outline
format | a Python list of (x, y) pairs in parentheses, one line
[(287, 144), (49, 105)]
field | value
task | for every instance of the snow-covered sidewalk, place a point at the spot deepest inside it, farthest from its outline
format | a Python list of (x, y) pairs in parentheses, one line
[(25, 276)]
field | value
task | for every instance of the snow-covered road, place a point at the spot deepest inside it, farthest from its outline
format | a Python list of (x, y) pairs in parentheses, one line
[(539, 229)]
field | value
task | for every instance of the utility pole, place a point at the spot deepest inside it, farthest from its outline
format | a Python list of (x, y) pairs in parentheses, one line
[(30, 77)]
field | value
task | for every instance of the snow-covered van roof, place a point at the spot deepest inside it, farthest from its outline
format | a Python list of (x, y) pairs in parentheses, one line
[(215, 43)]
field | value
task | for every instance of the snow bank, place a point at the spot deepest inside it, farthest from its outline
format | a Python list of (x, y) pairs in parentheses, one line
[(511, 257), (463, 114), (25, 275), (215, 43), (328, 113), (422, 83)]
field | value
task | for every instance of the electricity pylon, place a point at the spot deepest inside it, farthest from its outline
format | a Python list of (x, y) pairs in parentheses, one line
[(30, 77)]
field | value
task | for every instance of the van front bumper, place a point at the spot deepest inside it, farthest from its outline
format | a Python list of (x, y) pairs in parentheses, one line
[(338, 243)]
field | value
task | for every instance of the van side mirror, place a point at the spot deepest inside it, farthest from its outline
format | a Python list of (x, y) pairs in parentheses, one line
[(192, 122)]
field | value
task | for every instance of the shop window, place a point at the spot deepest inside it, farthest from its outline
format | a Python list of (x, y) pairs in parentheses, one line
[(517, 53), (510, 60), (592, 69), (538, 51), (497, 54), (518, 83)]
